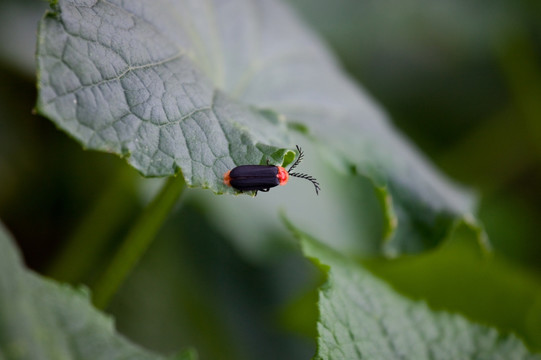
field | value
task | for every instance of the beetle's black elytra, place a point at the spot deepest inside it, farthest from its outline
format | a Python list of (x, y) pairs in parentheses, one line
[(263, 177)]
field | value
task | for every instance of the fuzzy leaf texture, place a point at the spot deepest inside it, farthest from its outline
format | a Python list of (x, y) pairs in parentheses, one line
[(42, 319), (361, 317), (204, 86)]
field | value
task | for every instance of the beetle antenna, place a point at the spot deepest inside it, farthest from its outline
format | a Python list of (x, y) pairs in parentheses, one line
[(301, 155), (309, 178)]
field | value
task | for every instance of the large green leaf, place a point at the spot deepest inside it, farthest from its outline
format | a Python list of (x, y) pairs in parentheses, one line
[(144, 80), (41, 319), (361, 317), (203, 87)]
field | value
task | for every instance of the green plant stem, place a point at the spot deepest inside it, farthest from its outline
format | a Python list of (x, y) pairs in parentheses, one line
[(137, 240), (84, 247), (518, 62)]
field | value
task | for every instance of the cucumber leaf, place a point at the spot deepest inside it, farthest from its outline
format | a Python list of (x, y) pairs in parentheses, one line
[(361, 317), (203, 87)]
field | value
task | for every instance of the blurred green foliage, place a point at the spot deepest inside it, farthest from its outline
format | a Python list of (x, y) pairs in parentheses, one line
[(462, 80)]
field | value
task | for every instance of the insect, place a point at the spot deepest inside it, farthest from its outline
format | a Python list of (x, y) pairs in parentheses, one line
[(264, 177)]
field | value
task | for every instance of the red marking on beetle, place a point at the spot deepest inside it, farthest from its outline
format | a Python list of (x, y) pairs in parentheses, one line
[(283, 175), (227, 178)]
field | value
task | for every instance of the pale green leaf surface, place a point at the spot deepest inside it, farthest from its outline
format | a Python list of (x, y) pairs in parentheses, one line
[(42, 319), (205, 86), (123, 79), (361, 317), (345, 211)]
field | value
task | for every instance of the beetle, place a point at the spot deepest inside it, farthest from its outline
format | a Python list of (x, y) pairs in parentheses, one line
[(263, 177)]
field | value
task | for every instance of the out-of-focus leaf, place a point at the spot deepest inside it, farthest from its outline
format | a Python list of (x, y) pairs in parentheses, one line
[(346, 210), (360, 317), (41, 319), (202, 88)]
